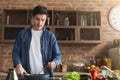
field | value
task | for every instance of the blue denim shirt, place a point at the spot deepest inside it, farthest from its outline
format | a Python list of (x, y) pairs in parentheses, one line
[(49, 49)]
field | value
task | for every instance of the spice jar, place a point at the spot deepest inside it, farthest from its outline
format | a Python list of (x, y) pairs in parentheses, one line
[(64, 68)]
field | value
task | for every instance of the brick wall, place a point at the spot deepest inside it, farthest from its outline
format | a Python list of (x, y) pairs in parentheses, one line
[(70, 52)]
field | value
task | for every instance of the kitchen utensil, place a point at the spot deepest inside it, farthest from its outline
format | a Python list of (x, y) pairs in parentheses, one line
[(37, 77), (105, 67), (42, 69), (79, 64), (12, 75)]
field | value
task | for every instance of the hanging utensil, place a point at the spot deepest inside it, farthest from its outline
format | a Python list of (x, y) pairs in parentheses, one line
[(42, 69)]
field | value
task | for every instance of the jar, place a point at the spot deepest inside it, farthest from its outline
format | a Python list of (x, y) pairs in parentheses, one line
[(64, 68), (107, 62)]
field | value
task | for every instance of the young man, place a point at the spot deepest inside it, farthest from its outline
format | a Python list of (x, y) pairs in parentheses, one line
[(36, 47)]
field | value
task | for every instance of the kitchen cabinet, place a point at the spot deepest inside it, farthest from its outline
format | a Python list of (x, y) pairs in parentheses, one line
[(60, 16), (68, 26), (13, 22), (89, 35), (66, 34), (89, 23)]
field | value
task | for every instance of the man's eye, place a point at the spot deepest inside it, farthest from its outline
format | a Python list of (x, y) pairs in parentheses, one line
[(43, 19)]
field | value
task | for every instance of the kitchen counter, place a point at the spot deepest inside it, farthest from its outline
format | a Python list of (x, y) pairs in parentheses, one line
[(56, 74), (60, 74)]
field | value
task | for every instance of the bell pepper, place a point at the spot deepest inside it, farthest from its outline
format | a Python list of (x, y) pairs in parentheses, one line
[(94, 74)]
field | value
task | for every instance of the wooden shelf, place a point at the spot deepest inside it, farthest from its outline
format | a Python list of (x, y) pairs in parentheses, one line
[(65, 34), (89, 34), (15, 17), (90, 41), (60, 16), (88, 18), (75, 32), (17, 26)]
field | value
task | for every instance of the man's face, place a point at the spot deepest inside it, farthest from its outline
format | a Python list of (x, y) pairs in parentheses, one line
[(39, 21)]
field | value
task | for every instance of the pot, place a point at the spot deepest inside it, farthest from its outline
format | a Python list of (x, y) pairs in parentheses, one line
[(37, 77)]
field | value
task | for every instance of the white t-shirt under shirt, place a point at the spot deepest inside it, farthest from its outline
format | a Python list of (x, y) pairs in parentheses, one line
[(35, 56)]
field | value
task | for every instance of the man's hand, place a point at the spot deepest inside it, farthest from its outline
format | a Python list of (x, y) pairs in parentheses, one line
[(52, 65), (20, 70)]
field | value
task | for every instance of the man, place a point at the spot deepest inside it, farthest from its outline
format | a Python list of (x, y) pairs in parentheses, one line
[(36, 47)]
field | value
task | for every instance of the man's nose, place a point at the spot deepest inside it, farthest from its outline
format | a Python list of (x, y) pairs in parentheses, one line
[(40, 22)]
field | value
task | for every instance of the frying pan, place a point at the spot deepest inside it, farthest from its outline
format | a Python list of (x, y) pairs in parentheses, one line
[(37, 77)]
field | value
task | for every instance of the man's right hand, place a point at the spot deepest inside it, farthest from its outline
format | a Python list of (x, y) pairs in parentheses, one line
[(20, 70)]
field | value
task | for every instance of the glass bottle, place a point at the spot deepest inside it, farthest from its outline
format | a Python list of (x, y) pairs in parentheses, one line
[(93, 60), (48, 21), (8, 19), (83, 20), (56, 19), (66, 22), (95, 20), (91, 19), (12, 75)]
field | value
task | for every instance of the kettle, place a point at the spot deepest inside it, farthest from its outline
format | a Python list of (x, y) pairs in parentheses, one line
[(12, 75)]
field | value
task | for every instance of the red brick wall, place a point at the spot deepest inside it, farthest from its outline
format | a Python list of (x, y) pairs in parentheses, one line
[(70, 52), (5, 57)]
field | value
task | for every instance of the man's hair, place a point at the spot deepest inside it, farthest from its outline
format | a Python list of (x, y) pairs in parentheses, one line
[(39, 10)]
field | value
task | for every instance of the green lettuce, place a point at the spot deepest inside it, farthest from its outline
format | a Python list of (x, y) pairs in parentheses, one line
[(72, 76)]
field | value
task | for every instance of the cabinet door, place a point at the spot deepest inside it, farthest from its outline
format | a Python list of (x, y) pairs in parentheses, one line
[(89, 35), (65, 34)]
